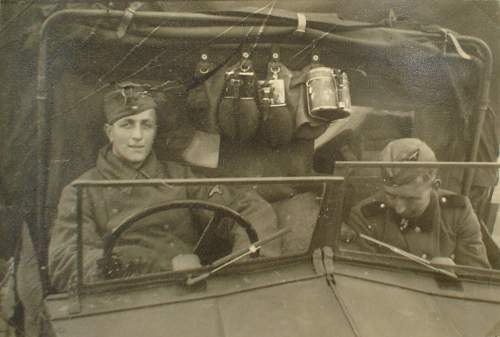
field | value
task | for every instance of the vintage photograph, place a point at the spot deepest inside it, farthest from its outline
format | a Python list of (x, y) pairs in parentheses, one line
[(250, 168)]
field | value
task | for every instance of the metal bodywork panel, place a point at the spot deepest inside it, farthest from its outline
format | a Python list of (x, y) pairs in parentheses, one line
[(402, 301), (290, 301), (295, 302), (299, 309)]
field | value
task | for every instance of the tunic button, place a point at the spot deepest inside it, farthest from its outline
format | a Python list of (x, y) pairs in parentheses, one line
[(370, 227), (418, 229), (424, 256), (443, 199)]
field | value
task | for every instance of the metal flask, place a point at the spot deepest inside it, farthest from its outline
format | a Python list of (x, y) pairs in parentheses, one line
[(239, 116), (328, 96), (204, 95), (343, 89)]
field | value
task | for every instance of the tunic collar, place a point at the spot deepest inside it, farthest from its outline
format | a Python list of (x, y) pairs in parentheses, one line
[(113, 168), (425, 222)]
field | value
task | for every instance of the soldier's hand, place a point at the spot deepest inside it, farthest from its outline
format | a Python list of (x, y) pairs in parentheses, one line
[(120, 267), (113, 269), (347, 235)]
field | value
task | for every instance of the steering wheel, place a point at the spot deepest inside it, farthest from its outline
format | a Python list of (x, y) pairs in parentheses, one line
[(220, 212)]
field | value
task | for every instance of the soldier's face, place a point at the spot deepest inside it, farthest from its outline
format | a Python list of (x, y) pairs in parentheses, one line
[(132, 137), (409, 200)]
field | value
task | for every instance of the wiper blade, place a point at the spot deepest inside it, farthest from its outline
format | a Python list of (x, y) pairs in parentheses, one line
[(236, 256), (409, 256)]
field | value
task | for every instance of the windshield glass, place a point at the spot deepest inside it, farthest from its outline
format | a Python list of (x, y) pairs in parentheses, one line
[(249, 93), (423, 213), (131, 228), (138, 227)]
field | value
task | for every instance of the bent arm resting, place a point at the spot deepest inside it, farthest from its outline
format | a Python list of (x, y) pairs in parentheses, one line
[(470, 249), (63, 243), (358, 223), (262, 217), (250, 205)]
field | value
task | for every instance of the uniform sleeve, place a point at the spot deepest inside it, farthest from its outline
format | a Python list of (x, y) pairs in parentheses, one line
[(262, 217), (358, 223), (250, 205), (62, 248), (470, 249)]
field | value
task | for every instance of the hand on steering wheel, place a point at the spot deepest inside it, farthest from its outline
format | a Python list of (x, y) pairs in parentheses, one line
[(110, 264)]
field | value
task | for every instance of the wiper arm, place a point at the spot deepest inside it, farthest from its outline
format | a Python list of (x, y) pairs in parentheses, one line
[(409, 256), (236, 256)]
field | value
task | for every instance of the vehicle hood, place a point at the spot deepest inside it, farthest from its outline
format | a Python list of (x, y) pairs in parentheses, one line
[(292, 301)]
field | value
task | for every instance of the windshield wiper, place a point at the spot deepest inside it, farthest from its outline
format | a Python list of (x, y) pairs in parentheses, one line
[(409, 256), (236, 256)]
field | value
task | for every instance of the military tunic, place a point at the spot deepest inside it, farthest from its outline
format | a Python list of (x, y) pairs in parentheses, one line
[(157, 238), (447, 228)]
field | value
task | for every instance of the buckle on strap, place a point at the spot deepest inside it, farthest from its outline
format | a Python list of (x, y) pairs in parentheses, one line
[(301, 24), (127, 18), (448, 35)]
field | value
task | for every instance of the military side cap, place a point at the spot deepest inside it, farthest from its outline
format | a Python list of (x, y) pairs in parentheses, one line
[(405, 149), (126, 99)]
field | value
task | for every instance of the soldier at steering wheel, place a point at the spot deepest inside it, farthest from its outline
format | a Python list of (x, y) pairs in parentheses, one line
[(155, 240)]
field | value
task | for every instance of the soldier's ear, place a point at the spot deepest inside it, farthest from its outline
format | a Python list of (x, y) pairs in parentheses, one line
[(107, 132), (436, 184)]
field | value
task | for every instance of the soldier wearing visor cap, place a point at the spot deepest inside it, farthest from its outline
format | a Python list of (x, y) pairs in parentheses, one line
[(413, 214), (155, 240)]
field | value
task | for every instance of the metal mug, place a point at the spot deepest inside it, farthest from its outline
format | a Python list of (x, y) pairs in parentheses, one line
[(327, 94)]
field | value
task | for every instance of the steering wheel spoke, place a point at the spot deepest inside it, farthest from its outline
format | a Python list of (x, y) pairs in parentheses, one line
[(214, 221), (208, 240)]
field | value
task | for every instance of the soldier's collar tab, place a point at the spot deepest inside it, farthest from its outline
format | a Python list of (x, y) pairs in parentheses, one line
[(424, 223)]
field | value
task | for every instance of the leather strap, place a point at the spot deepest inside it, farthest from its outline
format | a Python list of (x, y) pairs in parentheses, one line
[(127, 18)]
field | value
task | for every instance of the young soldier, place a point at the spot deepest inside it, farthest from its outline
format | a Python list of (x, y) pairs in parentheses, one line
[(157, 239), (413, 214)]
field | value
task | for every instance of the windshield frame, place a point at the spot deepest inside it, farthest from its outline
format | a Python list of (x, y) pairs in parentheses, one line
[(393, 262), (326, 229)]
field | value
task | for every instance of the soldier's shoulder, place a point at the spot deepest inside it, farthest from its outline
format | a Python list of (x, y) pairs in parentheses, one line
[(175, 169), (372, 206), (451, 200), (91, 174), (69, 190)]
